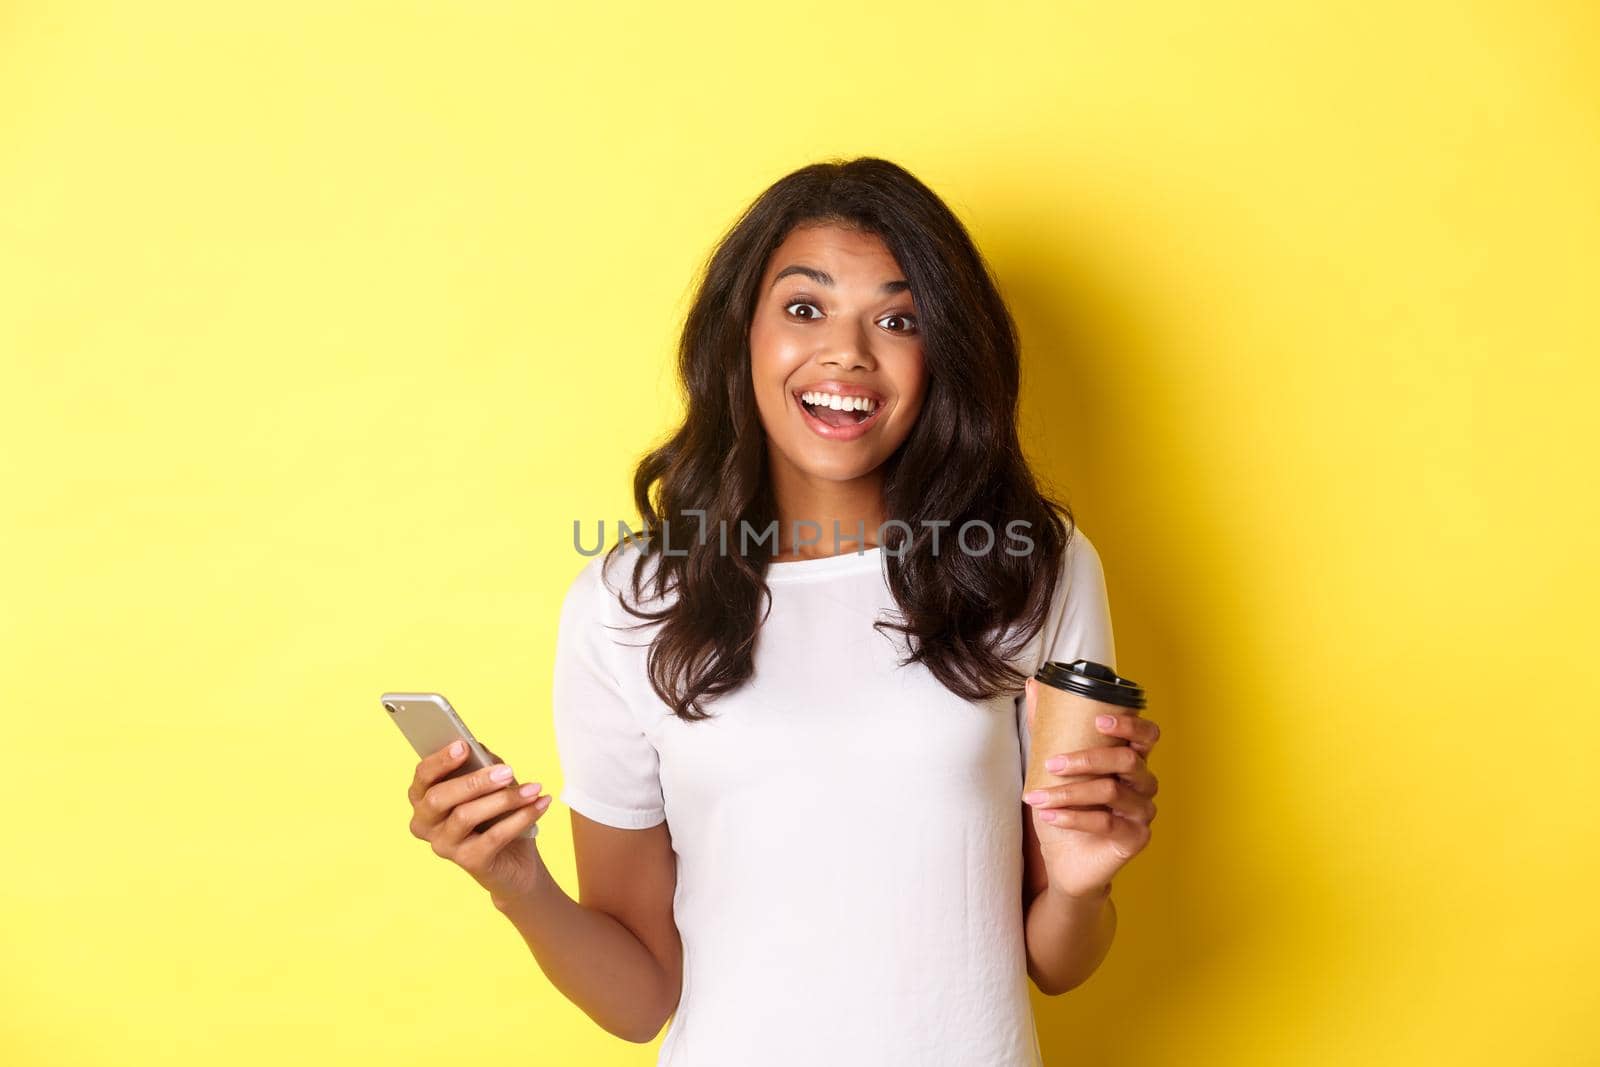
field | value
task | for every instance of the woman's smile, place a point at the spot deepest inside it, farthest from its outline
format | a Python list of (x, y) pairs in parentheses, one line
[(838, 411)]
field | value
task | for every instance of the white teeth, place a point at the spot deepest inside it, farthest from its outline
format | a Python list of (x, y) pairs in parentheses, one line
[(837, 402)]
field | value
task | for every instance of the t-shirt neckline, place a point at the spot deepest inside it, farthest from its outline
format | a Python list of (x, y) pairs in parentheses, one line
[(851, 561)]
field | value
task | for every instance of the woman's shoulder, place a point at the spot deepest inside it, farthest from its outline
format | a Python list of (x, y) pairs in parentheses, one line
[(1082, 559), (608, 579), (1079, 575), (1079, 622), (1079, 591)]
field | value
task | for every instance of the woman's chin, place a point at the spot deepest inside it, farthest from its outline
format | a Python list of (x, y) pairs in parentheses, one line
[(838, 468), (826, 461)]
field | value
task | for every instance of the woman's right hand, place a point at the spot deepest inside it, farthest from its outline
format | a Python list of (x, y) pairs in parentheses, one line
[(445, 810)]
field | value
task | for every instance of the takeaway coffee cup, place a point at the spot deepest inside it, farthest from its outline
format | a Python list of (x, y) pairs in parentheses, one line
[(1068, 697)]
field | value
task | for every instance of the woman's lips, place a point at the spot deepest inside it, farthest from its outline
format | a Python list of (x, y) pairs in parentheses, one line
[(848, 432)]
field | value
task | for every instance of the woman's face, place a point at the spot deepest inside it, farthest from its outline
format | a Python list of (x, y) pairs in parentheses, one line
[(835, 324)]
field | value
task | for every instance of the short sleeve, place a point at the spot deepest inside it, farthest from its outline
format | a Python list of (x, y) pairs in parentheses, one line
[(610, 770), (1079, 623)]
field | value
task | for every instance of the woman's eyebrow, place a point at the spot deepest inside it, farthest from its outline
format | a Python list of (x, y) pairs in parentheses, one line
[(822, 277)]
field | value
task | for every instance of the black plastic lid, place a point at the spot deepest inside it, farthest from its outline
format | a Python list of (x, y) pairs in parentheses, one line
[(1093, 680)]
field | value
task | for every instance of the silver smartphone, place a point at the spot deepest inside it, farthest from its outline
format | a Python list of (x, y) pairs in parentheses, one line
[(430, 723)]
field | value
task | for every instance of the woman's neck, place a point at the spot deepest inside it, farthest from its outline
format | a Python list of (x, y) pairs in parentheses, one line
[(809, 507)]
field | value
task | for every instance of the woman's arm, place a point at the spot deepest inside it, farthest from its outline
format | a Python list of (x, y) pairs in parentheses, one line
[(1067, 937), (617, 955)]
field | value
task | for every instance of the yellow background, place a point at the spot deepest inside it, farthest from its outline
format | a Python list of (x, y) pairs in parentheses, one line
[(320, 322)]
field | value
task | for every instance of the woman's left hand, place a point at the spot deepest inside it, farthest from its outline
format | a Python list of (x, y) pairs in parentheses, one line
[(1088, 829)]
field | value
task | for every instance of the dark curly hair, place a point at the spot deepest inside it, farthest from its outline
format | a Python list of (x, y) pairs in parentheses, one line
[(965, 615)]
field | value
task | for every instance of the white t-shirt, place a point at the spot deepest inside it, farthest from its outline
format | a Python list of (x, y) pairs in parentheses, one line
[(848, 831)]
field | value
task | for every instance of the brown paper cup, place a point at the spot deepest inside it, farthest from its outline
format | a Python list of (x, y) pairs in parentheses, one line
[(1068, 696)]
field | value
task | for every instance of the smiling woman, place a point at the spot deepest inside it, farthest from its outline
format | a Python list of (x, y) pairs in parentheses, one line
[(747, 863), (872, 381), (849, 279)]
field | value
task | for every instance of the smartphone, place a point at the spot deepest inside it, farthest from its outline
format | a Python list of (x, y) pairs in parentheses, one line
[(430, 723)]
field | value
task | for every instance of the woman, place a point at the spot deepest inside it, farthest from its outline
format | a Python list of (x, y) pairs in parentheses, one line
[(793, 722)]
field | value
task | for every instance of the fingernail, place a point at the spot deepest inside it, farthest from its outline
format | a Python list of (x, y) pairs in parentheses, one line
[(531, 789), (501, 774), (1033, 797), (457, 748), (543, 802), (1055, 763), (1105, 720)]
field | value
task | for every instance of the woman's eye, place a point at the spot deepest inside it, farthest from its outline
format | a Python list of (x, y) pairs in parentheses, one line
[(909, 320)]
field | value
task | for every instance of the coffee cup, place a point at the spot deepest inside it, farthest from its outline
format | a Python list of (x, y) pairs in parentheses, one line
[(1066, 701)]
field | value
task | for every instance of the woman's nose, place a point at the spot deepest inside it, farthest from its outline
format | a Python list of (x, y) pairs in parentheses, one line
[(851, 360), (849, 353)]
